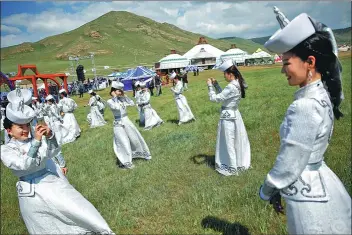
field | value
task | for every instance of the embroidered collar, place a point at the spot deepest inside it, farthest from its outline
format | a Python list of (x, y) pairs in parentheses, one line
[(308, 89)]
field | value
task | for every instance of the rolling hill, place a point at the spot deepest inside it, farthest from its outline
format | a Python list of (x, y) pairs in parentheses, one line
[(342, 36), (119, 39)]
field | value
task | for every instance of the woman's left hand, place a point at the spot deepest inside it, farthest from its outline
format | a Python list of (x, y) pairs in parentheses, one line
[(209, 82), (276, 202)]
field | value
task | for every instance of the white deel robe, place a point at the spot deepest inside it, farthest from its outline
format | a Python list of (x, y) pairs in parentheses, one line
[(68, 106), (233, 152), (316, 200), (184, 111), (95, 118), (49, 204), (128, 142), (151, 117), (63, 135)]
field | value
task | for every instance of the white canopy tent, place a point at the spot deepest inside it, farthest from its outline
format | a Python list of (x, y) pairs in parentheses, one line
[(259, 53)]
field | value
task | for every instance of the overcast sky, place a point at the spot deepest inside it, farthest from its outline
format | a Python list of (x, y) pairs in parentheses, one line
[(33, 21)]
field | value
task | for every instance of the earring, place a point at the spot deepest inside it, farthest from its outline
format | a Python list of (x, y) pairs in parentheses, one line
[(310, 76)]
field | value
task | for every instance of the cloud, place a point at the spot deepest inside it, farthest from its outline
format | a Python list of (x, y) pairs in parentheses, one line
[(9, 29), (213, 19)]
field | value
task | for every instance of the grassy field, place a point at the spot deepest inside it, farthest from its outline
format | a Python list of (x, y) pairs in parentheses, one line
[(179, 191)]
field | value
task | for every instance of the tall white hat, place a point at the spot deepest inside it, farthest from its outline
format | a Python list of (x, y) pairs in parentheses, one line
[(295, 32), (225, 65), (49, 97), (117, 85), (19, 113)]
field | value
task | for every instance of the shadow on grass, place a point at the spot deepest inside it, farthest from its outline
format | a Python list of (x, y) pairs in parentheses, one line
[(200, 159), (173, 121), (224, 226)]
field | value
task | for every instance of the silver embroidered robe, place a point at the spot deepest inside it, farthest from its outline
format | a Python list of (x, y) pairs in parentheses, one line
[(316, 200), (151, 118), (48, 203), (128, 142), (184, 111), (233, 152), (68, 106)]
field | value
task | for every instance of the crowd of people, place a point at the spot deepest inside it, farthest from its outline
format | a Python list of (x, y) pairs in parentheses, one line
[(316, 200)]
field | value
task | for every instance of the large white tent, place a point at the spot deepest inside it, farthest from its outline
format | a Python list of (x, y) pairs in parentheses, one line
[(173, 61), (209, 49), (203, 55)]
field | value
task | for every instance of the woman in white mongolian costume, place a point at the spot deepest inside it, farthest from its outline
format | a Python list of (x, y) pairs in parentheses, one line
[(150, 116), (62, 133), (316, 200), (68, 106), (95, 118), (128, 142), (233, 152), (49, 204), (184, 111)]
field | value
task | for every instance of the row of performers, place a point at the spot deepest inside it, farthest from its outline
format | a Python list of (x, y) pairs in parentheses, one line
[(148, 117), (316, 200)]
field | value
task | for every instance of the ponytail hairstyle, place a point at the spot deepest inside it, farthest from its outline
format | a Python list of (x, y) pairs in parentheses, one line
[(327, 64), (233, 69)]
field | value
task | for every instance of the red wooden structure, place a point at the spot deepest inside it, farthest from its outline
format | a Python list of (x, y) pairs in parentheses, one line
[(44, 77)]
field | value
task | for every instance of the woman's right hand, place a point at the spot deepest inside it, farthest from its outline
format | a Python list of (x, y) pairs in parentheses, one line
[(39, 132)]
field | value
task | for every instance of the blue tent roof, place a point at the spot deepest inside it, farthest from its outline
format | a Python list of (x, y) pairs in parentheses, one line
[(138, 73)]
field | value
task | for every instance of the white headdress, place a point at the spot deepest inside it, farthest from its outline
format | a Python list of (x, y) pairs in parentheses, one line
[(17, 111)]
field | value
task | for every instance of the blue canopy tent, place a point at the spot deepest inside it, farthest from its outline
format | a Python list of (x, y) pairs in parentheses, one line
[(139, 73)]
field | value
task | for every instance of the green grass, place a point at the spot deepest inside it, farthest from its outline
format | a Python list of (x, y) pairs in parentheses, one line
[(179, 190)]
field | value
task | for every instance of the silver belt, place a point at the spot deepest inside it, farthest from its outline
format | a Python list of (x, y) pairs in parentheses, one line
[(34, 175), (228, 108), (141, 105), (314, 166), (119, 117)]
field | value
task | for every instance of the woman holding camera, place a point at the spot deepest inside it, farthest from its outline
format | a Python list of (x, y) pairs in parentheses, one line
[(233, 153), (48, 203), (128, 142)]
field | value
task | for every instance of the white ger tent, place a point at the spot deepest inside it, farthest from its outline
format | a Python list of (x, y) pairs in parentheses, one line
[(173, 61), (203, 50)]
